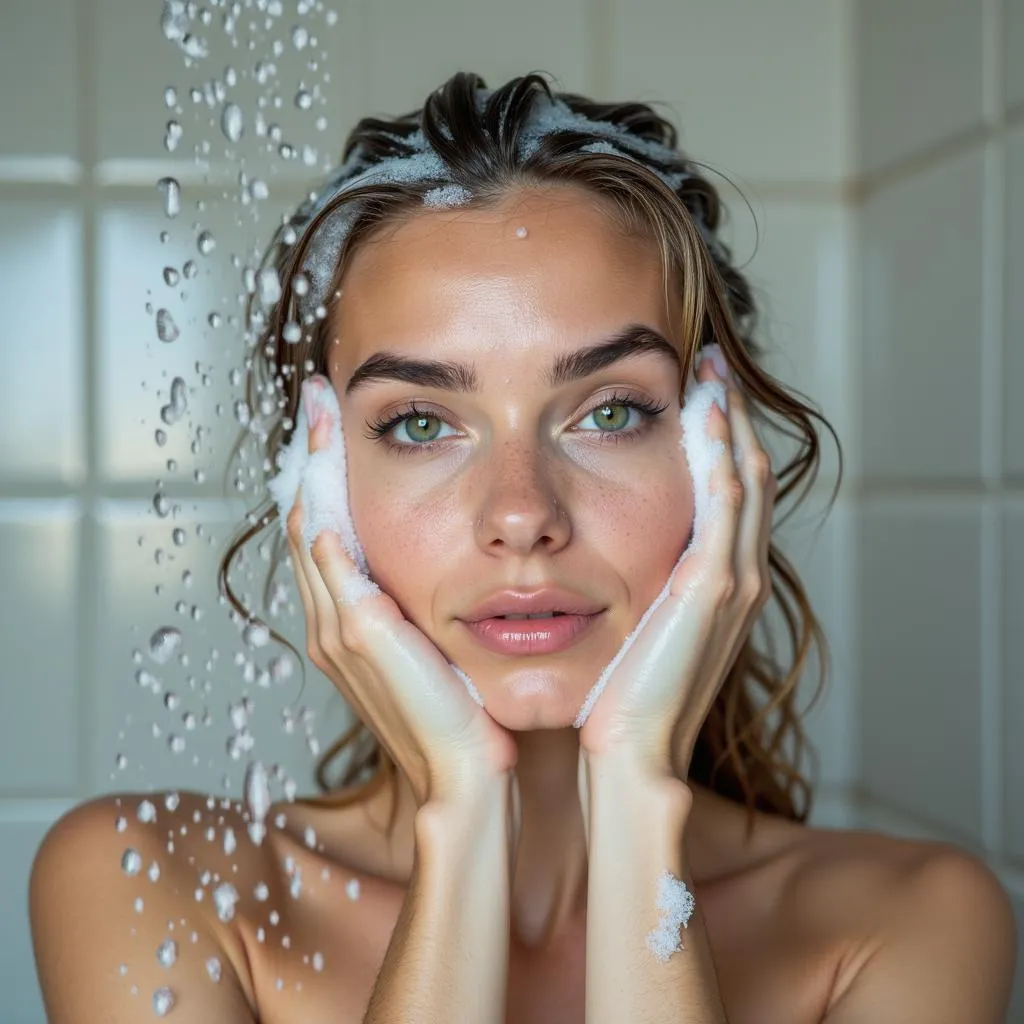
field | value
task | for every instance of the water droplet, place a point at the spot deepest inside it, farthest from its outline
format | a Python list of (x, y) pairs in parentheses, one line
[(230, 843), (146, 812), (164, 644), (352, 889), (173, 136), (121, 761), (318, 961), (171, 276), (231, 122), (291, 332), (176, 743), (194, 47), (303, 99), (225, 896), (190, 269), (131, 862), (179, 536), (268, 285), (170, 96), (213, 968), (258, 189), (257, 799), (261, 892), (256, 634), (215, 320), (121, 824), (174, 20), (171, 191), (178, 405), (166, 328), (160, 436), (300, 37), (280, 668), (167, 953), (206, 243), (154, 872), (163, 1001)]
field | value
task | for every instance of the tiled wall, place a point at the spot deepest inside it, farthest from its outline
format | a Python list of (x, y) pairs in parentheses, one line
[(940, 509), (765, 92)]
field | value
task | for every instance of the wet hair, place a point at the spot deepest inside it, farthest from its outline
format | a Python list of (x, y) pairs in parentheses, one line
[(751, 745)]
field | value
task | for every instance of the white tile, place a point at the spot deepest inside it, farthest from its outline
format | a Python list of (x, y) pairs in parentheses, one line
[(1013, 680), (906, 105), (135, 369), (1013, 340), (20, 998), (412, 49), (919, 589), (41, 389), (819, 551), (921, 311), (1013, 47), (38, 79), (759, 90), (130, 609), (135, 64), (39, 635), (796, 257)]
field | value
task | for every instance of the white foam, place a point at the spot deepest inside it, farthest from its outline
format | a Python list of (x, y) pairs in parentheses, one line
[(676, 904)]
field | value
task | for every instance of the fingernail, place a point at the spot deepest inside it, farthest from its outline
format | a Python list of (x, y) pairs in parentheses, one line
[(311, 403), (718, 361)]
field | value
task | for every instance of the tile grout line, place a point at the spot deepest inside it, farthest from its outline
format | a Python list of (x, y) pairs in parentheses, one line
[(88, 562), (990, 667)]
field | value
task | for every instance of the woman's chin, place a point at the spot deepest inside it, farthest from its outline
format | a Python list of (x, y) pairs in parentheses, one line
[(533, 699)]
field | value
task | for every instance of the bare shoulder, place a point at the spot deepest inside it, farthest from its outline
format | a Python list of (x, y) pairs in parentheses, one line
[(124, 916), (927, 929)]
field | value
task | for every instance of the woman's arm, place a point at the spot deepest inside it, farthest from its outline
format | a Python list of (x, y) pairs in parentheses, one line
[(448, 956), (96, 953), (636, 831)]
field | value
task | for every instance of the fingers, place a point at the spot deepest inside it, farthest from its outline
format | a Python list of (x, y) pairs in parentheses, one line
[(755, 526), (743, 489)]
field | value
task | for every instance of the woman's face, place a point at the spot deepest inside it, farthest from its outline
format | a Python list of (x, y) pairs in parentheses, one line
[(511, 477)]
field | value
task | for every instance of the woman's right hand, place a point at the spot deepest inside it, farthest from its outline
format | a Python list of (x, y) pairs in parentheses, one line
[(393, 677)]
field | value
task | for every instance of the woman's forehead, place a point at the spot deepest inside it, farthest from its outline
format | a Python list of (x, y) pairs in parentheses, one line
[(447, 279)]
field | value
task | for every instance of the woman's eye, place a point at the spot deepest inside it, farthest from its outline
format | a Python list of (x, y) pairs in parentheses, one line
[(612, 416), (420, 429)]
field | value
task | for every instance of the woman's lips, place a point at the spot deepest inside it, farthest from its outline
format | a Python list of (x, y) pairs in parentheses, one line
[(532, 636)]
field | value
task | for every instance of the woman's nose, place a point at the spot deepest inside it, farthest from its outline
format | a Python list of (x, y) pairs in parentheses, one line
[(519, 506)]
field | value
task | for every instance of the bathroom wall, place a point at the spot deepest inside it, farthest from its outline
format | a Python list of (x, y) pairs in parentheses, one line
[(882, 235), (939, 507)]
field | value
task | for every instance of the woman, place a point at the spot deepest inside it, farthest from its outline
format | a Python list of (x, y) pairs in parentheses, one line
[(502, 298)]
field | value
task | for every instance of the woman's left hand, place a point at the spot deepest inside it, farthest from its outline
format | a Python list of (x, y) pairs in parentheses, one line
[(653, 705)]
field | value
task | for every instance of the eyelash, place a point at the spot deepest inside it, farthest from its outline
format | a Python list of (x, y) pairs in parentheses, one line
[(377, 430)]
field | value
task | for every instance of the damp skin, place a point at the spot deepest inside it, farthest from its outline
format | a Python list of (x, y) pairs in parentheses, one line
[(325, 487)]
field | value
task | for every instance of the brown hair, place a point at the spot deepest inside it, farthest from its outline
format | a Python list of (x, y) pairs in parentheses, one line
[(751, 744)]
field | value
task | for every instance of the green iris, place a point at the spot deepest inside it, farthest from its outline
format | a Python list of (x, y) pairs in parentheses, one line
[(415, 423), (606, 410)]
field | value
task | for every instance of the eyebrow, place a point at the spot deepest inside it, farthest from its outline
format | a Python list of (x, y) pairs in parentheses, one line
[(633, 340)]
